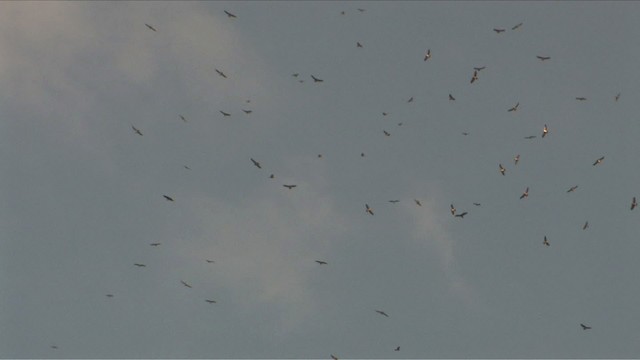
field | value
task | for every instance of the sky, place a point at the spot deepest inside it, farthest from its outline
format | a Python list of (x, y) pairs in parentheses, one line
[(82, 194)]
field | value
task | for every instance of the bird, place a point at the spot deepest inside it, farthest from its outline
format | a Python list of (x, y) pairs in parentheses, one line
[(54, 347), (525, 194), (361, 10), (585, 226), (515, 27), (155, 244), (368, 209), (209, 261), (633, 203), (475, 76), (502, 169), (598, 161), (394, 201), (247, 111), (382, 313), (417, 202), (182, 118), (358, 44), (319, 156), (461, 215), (479, 68), (334, 357), (384, 114), (410, 99), (498, 31), (168, 198), (315, 79), (224, 113), (186, 167), (543, 58), (221, 73), (572, 189), (321, 262), (140, 265), (530, 137), (295, 75), (151, 27), (397, 349), (427, 56), (289, 186), (585, 327), (545, 130), (185, 284), (136, 130), (515, 108), (453, 210), (210, 301), (271, 176), (581, 98), (617, 97), (230, 14), (451, 98), (386, 133), (477, 204), (465, 133), (516, 159), (257, 164), (361, 154), (545, 241)]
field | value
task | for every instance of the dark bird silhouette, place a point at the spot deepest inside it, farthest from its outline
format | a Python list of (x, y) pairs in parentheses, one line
[(543, 58), (334, 357), (479, 68), (384, 114), (368, 209), (394, 201), (545, 241), (155, 244), (185, 284), (502, 169), (498, 31), (516, 159), (461, 215), (271, 176), (515, 27), (257, 164), (230, 14), (545, 130), (210, 301), (358, 44), (410, 100), (289, 186), (295, 75), (209, 261), (451, 98), (136, 130), (361, 154), (224, 113), (386, 133), (168, 198), (585, 226), (617, 97), (633, 203), (382, 313), (453, 210), (598, 161), (477, 204), (418, 202), (515, 108), (465, 133), (427, 56), (221, 73), (525, 194), (585, 327), (321, 262), (581, 98), (572, 189), (109, 295), (54, 346), (186, 167), (397, 349), (140, 265), (530, 137), (247, 111), (361, 10), (315, 79), (182, 118), (475, 76), (319, 156), (151, 27)]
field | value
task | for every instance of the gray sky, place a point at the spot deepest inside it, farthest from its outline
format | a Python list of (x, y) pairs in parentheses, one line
[(82, 194)]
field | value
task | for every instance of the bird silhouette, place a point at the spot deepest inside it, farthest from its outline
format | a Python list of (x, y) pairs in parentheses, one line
[(155, 244), (109, 295), (315, 79), (168, 198), (515, 27), (451, 98), (394, 201), (334, 357), (585, 327), (382, 313), (617, 97), (418, 202), (427, 56), (545, 130), (461, 215), (358, 44), (289, 186), (516, 159), (502, 169), (453, 209), (475, 76), (397, 349), (136, 130), (410, 99), (530, 137), (224, 113), (257, 164), (525, 194), (633, 203), (581, 98), (140, 265), (295, 75), (321, 262), (543, 58), (230, 14), (209, 261), (182, 118), (221, 73), (598, 161), (515, 108), (368, 209), (477, 204), (386, 133), (545, 241), (498, 31), (151, 27), (185, 284), (479, 68), (585, 226), (572, 189), (210, 301)]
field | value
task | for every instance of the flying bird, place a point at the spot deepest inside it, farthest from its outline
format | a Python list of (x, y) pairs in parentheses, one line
[(140, 265), (461, 215), (168, 198), (418, 202), (464, 133), (210, 301), (410, 100), (502, 169), (361, 154), (185, 284), (479, 68), (151, 27), (545, 130), (155, 244), (224, 113), (54, 346), (334, 357), (321, 262), (368, 209), (257, 164), (361, 10), (109, 295), (382, 313), (230, 14), (247, 111), (617, 97), (427, 56), (182, 118), (475, 76), (295, 75), (545, 241), (530, 137), (525, 194), (315, 79), (289, 186), (384, 114), (358, 44), (319, 156), (516, 159), (186, 167), (585, 327), (515, 108), (451, 98), (498, 31), (397, 349), (598, 161), (394, 201), (209, 261), (585, 226), (453, 210), (477, 204), (515, 27), (633, 203), (386, 133), (543, 58), (581, 98), (271, 176), (221, 73), (572, 189), (136, 130)]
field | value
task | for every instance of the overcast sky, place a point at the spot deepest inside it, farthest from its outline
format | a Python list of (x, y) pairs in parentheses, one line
[(82, 193)]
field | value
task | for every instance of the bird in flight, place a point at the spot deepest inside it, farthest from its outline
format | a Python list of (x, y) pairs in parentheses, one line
[(397, 349), (515, 108), (247, 111), (361, 10), (295, 75), (633, 203), (427, 56), (209, 261), (572, 189), (54, 347), (185, 284), (271, 176), (368, 209), (516, 159), (465, 133), (257, 164), (417, 202), (585, 226), (136, 130), (410, 99), (361, 154), (477, 204), (498, 31), (475, 76), (394, 201), (461, 215), (109, 295), (224, 113), (210, 301), (289, 186), (321, 262), (315, 79), (151, 27), (140, 265), (515, 27), (543, 58), (598, 161), (530, 137), (525, 194), (502, 169), (168, 198), (334, 357), (155, 244), (479, 68), (230, 14), (617, 97), (358, 44), (319, 156), (545, 241), (581, 98), (453, 210), (585, 327), (451, 98), (386, 133), (221, 73), (182, 118), (545, 130), (382, 313)]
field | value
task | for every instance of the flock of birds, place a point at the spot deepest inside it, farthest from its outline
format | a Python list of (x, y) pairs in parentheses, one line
[(502, 170)]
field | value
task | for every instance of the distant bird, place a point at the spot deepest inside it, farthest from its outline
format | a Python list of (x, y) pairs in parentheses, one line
[(186, 167), (418, 202), (399, 124), (525, 194), (140, 265), (427, 56), (585, 226), (515, 108), (224, 113), (479, 68), (465, 133), (155, 244), (572, 189), (289, 186), (358, 44), (461, 215), (515, 27), (137, 131), (361, 10), (386, 133), (334, 357), (530, 137), (221, 73), (321, 262), (315, 79), (210, 301), (342, 12), (382, 313), (109, 295), (585, 327), (257, 164), (617, 97), (453, 210), (271, 176), (633, 203), (384, 114), (168, 198), (54, 346), (598, 161), (182, 118), (230, 14), (410, 100), (451, 98), (319, 156), (368, 209), (151, 27), (361, 154), (247, 111), (475, 76), (543, 58), (545, 241), (397, 349), (498, 31), (516, 159), (185, 284), (545, 130), (581, 98), (295, 75), (209, 261), (394, 201), (477, 204), (502, 169)]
